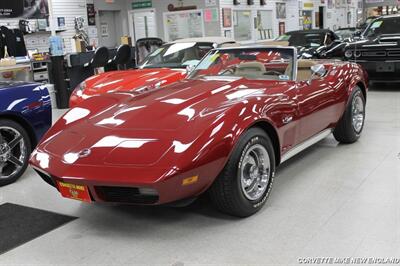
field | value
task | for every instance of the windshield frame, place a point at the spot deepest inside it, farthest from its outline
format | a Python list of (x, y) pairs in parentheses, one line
[(290, 49), (167, 46)]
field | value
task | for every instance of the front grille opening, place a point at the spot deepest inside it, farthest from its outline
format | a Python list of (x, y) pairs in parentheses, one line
[(374, 53), (127, 194), (46, 178)]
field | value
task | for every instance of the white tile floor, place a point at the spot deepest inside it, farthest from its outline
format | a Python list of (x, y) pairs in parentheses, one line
[(331, 200)]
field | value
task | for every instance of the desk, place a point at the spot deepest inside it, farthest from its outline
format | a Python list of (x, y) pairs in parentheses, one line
[(21, 72)]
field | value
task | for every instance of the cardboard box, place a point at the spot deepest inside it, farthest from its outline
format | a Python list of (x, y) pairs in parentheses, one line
[(126, 40), (80, 46)]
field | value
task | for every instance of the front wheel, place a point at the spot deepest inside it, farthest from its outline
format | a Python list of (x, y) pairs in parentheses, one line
[(350, 126), (15, 148), (243, 186)]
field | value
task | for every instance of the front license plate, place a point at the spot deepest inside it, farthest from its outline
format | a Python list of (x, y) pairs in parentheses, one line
[(385, 67), (74, 191)]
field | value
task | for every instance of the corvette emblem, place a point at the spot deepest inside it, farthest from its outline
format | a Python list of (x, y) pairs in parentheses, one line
[(84, 153), (73, 192)]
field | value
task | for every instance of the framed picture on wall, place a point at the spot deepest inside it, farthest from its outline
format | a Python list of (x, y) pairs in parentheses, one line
[(280, 10), (227, 17), (330, 4), (228, 33)]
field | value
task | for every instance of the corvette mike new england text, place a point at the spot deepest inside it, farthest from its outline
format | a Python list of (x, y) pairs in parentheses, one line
[(350, 260)]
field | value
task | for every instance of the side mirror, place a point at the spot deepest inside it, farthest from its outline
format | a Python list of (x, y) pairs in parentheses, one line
[(317, 71)]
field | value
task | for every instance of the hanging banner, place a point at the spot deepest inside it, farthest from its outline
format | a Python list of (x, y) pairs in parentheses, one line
[(28, 9)]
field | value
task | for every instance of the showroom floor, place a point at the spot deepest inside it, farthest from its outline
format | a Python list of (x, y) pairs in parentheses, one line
[(331, 200)]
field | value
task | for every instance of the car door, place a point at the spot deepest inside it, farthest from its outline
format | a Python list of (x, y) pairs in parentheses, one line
[(317, 108)]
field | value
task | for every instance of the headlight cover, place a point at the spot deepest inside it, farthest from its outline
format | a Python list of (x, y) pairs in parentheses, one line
[(348, 54)]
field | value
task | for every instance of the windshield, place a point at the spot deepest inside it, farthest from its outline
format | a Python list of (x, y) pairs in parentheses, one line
[(307, 39), (345, 33), (176, 55), (383, 26), (254, 63)]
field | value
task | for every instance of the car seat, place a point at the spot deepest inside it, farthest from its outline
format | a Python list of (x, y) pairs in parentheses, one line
[(250, 69), (304, 69)]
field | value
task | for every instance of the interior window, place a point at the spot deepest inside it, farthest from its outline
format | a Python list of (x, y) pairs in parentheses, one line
[(242, 24), (176, 55)]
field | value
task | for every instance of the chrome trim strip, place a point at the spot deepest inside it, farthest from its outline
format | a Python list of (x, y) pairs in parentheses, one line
[(304, 145)]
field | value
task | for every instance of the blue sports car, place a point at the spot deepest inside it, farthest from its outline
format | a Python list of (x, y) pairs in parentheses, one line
[(25, 115)]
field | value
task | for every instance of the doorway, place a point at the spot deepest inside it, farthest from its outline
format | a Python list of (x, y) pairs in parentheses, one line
[(108, 28), (321, 17), (142, 23)]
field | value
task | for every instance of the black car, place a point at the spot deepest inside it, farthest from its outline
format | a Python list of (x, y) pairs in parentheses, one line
[(309, 43), (378, 50), (308, 38)]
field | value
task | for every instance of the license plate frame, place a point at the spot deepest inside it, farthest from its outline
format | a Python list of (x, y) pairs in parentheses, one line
[(74, 191)]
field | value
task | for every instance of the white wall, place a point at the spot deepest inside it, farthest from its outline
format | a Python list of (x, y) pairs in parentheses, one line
[(69, 9), (161, 7), (335, 17), (61, 8), (121, 20), (292, 15), (73, 8)]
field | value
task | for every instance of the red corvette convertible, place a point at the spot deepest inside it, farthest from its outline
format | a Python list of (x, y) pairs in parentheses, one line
[(164, 66), (223, 130)]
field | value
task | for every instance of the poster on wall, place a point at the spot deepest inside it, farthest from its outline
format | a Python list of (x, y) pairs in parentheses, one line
[(183, 24), (91, 14), (280, 10), (104, 30), (211, 15), (28, 9), (227, 17), (307, 19)]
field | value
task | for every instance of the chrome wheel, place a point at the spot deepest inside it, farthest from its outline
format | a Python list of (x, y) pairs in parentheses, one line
[(254, 172), (13, 152), (358, 113)]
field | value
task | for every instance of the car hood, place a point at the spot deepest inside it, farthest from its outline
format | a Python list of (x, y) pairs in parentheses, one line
[(149, 124), (131, 79)]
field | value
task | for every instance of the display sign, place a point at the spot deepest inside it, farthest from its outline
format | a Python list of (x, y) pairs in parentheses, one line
[(183, 24), (32, 9), (142, 4)]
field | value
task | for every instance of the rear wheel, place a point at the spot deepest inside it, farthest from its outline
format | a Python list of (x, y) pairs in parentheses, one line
[(15, 148), (350, 126), (244, 184)]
